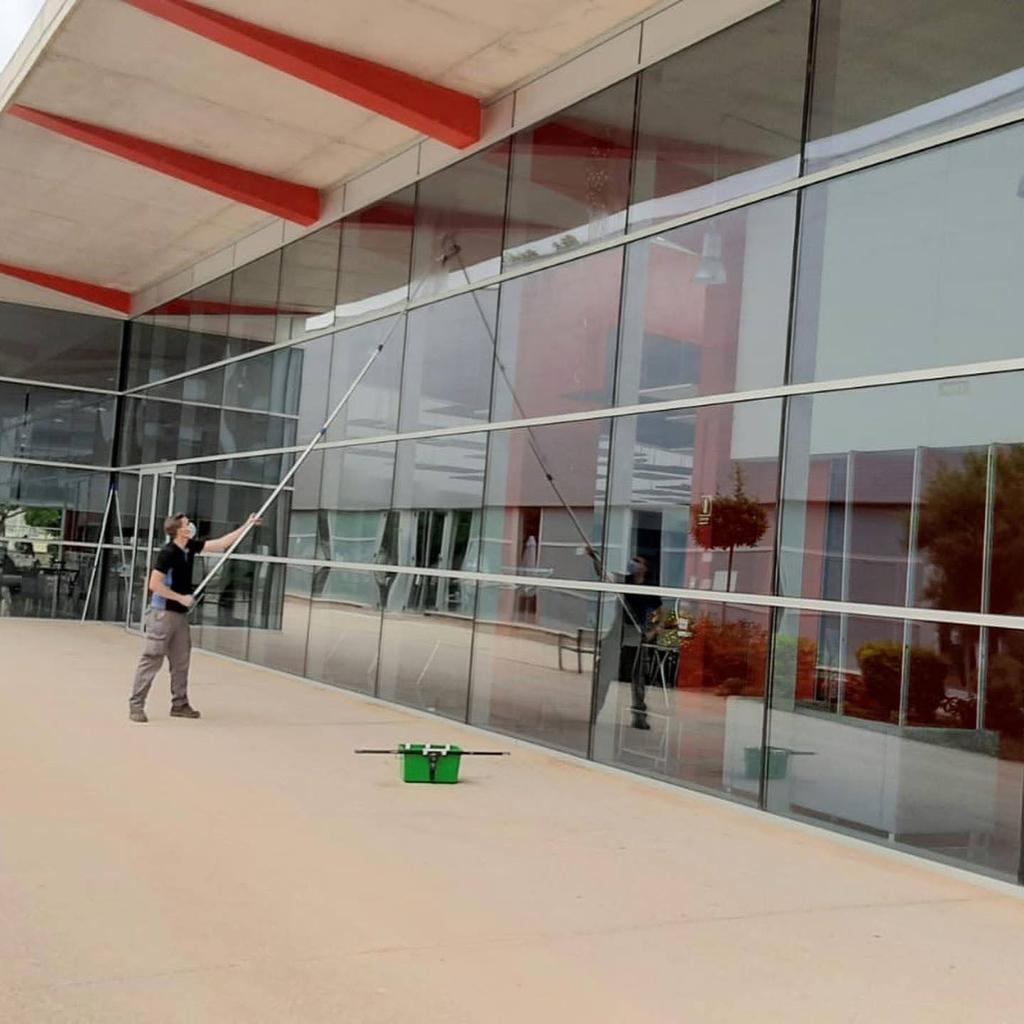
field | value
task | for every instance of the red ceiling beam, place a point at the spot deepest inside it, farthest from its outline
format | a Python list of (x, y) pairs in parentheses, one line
[(298, 203), (448, 115), (111, 298)]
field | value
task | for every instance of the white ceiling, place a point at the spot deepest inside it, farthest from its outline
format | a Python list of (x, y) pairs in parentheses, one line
[(69, 210)]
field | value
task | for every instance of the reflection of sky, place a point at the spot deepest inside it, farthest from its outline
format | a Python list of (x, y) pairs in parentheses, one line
[(15, 19)]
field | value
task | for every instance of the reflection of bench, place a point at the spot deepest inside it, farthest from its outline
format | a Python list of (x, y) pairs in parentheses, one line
[(583, 643)]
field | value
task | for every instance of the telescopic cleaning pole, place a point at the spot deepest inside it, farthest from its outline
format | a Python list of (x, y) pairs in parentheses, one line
[(454, 250), (320, 436), (296, 466)]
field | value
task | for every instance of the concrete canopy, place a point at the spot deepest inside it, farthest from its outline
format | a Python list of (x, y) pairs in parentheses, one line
[(68, 209)]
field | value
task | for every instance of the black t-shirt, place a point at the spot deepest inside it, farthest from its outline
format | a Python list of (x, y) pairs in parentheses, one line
[(176, 565)]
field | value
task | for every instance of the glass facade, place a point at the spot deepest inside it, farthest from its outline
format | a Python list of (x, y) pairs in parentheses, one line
[(669, 458), (59, 382)]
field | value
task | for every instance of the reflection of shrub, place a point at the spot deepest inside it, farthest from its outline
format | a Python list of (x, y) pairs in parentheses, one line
[(1004, 710), (732, 656), (880, 665)]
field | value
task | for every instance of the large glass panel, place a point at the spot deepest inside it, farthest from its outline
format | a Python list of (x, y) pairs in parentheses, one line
[(900, 495), (372, 408), (544, 504), (376, 245), (183, 334), (309, 283), (722, 118), (570, 177), (680, 690), (55, 426), (437, 497), (707, 306), (889, 73), (425, 643), (556, 338), (460, 215), (913, 264), (280, 617), (344, 627), (353, 524), (160, 430), (449, 352), (533, 674), (874, 729), (252, 315), (65, 348), (49, 526), (223, 614), (693, 495)]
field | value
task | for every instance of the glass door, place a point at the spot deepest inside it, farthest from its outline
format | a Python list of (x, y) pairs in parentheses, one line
[(153, 503)]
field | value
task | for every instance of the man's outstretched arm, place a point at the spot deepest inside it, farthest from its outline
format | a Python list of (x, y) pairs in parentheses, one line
[(216, 544)]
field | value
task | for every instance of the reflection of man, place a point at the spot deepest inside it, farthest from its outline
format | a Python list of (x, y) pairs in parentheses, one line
[(9, 580), (167, 629), (638, 626)]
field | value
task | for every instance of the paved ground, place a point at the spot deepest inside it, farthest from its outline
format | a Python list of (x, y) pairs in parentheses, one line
[(248, 868)]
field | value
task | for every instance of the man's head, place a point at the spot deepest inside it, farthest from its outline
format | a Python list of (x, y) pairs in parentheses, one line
[(638, 567), (178, 527)]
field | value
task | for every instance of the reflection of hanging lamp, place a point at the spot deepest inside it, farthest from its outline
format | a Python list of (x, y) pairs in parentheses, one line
[(710, 270)]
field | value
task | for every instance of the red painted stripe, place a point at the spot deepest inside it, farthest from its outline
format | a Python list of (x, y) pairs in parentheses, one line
[(111, 298), (446, 114), (185, 306), (297, 203)]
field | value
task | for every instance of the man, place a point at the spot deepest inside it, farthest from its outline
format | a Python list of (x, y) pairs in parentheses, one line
[(167, 631), (639, 627)]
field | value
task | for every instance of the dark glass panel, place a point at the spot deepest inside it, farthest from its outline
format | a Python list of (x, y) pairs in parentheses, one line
[(707, 306), (889, 73), (449, 352), (533, 672), (722, 118), (460, 215), (680, 690), (556, 339), (874, 729), (570, 177), (375, 251)]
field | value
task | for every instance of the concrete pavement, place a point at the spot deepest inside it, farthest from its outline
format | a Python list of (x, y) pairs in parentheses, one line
[(248, 868)]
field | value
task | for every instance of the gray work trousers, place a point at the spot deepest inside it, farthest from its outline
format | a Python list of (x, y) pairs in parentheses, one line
[(167, 635)]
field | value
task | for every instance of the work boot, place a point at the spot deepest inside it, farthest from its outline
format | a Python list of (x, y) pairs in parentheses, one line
[(185, 712), (137, 715)]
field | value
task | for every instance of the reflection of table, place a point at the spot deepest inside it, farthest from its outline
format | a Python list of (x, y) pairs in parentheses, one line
[(661, 661)]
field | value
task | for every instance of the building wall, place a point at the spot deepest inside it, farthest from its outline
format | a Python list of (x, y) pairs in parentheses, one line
[(754, 326)]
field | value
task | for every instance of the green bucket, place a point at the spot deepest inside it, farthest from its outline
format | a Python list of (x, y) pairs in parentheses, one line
[(426, 762), (778, 762)]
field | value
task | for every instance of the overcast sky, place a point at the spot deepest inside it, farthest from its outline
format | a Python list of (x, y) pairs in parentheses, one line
[(15, 18)]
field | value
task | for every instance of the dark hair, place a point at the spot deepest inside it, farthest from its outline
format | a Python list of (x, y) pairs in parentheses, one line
[(172, 524)]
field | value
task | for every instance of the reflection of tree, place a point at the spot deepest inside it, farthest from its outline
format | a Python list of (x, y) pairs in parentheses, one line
[(42, 518), (952, 527), (736, 521), (8, 510)]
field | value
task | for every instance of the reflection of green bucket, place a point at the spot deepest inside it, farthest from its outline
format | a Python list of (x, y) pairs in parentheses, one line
[(778, 762)]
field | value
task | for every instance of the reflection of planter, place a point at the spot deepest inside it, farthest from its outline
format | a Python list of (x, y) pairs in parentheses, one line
[(778, 762)]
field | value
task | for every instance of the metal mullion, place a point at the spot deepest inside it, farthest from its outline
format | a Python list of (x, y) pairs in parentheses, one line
[(991, 469), (895, 612), (54, 386)]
